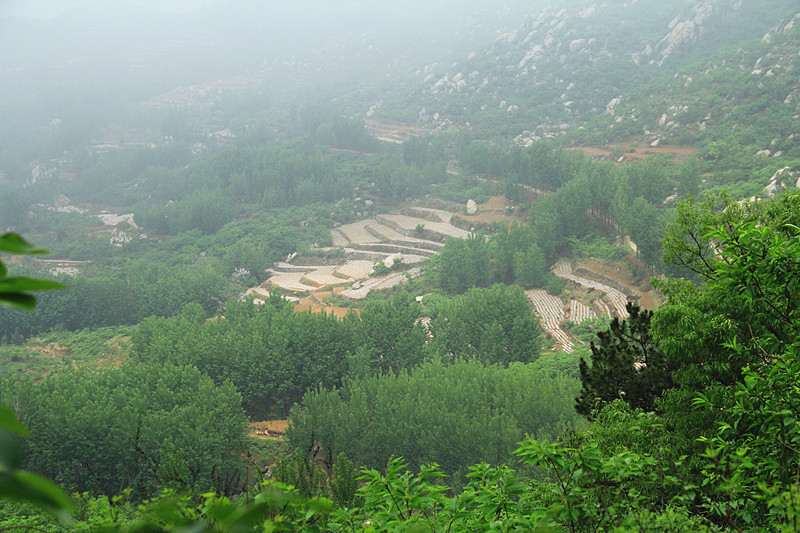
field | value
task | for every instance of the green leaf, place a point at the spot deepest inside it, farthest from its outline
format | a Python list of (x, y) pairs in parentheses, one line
[(37, 491), (21, 284), (18, 300), (9, 421), (13, 243)]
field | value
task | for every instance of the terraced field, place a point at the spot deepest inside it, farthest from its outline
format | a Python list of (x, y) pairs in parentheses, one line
[(405, 223), (618, 301), (383, 282), (445, 216), (550, 310), (382, 238), (390, 236), (579, 312)]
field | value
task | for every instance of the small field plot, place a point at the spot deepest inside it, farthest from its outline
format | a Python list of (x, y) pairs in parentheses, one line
[(579, 312), (290, 281), (357, 269), (551, 312), (357, 232), (379, 283), (444, 216), (563, 269), (338, 238), (323, 276), (407, 223)]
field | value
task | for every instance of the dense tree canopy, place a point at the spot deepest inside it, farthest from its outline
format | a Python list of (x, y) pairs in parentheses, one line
[(144, 427), (494, 325)]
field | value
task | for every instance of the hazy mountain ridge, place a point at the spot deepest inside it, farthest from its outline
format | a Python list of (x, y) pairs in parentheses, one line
[(752, 88), (558, 68)]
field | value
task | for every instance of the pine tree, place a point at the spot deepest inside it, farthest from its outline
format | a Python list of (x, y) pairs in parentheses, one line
[(626, 364)]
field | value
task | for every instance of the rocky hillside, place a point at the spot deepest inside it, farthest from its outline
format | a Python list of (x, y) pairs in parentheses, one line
[(752, 88), (558, 68)]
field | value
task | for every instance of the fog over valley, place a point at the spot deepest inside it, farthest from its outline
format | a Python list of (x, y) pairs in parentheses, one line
[(399, 266)]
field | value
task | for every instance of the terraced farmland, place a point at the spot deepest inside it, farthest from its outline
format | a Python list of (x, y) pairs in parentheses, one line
[(550, 310), (618, 301), (383, 282), (364, 243), (445, 216), (405, 223), (357, 233), (579, 312)]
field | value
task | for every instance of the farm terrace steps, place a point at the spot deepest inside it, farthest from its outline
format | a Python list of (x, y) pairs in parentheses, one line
[(260, 295), (550, 310), (378, 283), (290, 281), (356, 269), (385, 233), (338, 238), (618, 300), (324, 276), (445, 216), (281, 267), (579, 312), (357, 233), (396, 248), (365, 242), (405, 224)]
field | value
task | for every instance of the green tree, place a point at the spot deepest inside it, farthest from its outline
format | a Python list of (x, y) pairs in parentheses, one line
[(494, 325), (625, 364), (142, 427), (463, 263), (392, 337)]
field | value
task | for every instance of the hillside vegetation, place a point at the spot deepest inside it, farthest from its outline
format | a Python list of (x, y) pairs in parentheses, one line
[(523, 268)]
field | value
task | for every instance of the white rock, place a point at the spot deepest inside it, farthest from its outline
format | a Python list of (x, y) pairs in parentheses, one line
[(576, 45), (389, 261), (472, 207), (612, 105), (655, 143)]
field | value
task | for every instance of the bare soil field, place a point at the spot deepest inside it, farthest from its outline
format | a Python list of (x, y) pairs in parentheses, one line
[(629, 153), (338, 312), (268, 429), (495, 210)]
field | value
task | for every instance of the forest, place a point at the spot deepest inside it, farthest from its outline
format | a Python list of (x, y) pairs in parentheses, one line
[(521, 269)]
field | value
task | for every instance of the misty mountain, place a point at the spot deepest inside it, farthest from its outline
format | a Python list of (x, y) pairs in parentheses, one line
[(560, 67)]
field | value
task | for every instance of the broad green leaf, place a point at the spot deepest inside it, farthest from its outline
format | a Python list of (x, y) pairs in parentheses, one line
[(18, 300), (13, 243), (37, 491), (21, 284), (9, 421)]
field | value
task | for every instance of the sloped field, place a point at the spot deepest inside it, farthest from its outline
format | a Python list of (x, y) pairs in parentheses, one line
[(551, 313), (618, 301), (579, 312)]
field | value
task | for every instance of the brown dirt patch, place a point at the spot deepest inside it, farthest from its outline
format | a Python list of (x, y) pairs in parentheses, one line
[(494, 210), (338, 312), (635, 153), (268, 429)]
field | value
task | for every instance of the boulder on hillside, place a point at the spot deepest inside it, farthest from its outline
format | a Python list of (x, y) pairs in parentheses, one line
[(390, 260), (472, 207)]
